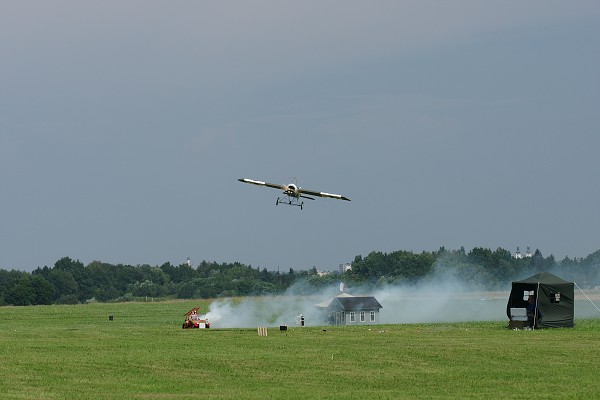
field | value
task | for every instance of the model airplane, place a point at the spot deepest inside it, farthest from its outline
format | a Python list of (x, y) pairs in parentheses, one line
[(293, 193)]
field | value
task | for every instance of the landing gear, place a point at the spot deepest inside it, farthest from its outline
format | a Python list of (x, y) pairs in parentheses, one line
[(290, 201)]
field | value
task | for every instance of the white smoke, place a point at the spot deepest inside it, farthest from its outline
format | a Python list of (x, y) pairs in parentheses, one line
[(443, 298), (260, 311), (285, 309)]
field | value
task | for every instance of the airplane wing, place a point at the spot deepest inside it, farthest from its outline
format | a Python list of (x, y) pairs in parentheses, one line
[(292, 190), (261, 183), (322, 194)]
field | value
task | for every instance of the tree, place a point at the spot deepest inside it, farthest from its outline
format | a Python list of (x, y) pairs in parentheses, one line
[(20, 293), (7, 280), (66, 288), (43, 291), (69, 265)]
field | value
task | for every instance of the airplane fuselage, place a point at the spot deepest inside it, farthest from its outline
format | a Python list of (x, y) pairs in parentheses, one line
[(292, 190)]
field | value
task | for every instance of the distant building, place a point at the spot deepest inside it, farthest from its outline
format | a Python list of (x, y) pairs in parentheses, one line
[(518, 253), (344, 267), (527, 254), (345, 309)]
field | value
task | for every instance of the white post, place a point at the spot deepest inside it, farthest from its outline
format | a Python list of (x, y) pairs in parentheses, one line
[(261, 331)]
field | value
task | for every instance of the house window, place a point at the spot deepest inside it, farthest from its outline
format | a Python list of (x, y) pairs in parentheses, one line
[(343, 317), (352, 317), (372, 316), (362, 316)]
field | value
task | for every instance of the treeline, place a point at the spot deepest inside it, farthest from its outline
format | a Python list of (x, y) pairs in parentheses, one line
[(71, 282), (479, 269)]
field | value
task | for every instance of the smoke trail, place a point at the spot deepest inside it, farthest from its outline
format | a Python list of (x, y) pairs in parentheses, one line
[(442, 298), (268, 310)]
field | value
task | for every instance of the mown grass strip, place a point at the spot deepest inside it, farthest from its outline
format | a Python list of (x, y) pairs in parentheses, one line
[(69, 352)]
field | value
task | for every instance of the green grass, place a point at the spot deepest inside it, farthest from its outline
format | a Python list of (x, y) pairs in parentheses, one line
[(75, 352)]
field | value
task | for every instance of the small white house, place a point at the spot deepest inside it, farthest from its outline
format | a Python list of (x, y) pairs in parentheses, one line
[(345, 309)]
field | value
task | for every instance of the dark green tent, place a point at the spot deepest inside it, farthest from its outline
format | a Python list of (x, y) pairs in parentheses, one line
[(554, 296)]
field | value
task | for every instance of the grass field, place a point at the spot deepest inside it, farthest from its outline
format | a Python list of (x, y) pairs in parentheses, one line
[(75, 352)]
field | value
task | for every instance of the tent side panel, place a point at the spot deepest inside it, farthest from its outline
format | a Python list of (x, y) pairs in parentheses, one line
[(556, 314), (515, 299)]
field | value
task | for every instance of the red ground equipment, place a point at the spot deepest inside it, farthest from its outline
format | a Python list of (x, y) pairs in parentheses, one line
[(195, 321)]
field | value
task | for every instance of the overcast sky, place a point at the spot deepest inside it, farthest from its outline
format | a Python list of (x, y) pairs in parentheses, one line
[(124, 126)]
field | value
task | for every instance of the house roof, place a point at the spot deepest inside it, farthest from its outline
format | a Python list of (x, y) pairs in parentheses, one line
[(358, 303), (348, 302), (326, 303)]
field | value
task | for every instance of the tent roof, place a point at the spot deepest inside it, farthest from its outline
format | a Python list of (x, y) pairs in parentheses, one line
[(543, 277)]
